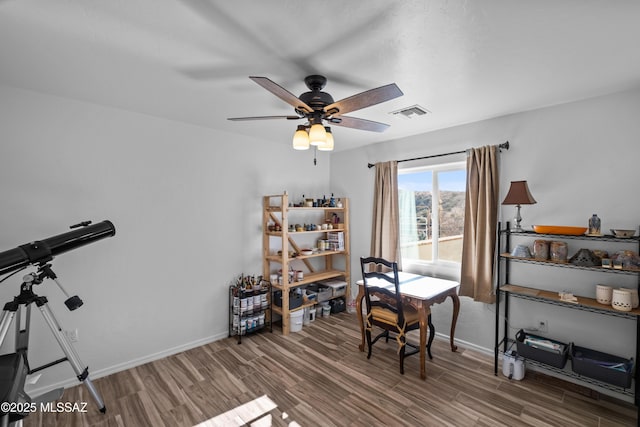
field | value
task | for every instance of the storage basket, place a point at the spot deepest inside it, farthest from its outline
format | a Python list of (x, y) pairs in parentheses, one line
[(543, 351), (337, 305), (602, 366), (324, 292), (295, 299), (338, 287)]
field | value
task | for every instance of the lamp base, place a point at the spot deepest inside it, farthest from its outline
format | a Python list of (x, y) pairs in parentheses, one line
[(517, 220)]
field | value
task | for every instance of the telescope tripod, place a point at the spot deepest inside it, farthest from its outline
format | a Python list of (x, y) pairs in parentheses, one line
[(14, 367)]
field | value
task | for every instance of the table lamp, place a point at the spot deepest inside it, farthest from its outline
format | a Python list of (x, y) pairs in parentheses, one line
[(518, 195)]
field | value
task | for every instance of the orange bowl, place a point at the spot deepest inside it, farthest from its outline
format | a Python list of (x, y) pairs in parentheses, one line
[(559, 229)]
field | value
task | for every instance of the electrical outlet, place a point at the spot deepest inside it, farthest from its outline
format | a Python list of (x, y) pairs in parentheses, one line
[(542, 326), (72, 335)]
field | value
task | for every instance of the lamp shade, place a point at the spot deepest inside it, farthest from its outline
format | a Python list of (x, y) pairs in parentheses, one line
[(301, 139), (317, 134), (328, 144), (519, 194)]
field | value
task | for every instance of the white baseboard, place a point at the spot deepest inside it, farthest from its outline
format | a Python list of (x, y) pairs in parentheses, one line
[(467, 344), (36, 391)]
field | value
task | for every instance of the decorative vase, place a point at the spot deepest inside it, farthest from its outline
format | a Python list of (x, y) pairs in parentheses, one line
[(604, 294), (521, 251), (541, 249), (594, 225), (558, 251), (635, 301), (585, 258), (621, 300)]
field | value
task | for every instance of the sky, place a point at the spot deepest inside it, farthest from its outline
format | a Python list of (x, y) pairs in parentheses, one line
[(422, 181)]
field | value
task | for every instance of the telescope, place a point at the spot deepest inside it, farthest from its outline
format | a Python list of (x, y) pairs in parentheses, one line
[(14, 367), (42, 251)]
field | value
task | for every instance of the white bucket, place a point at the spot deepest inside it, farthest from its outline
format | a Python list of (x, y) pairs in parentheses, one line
[(296, 321), (326, 310), (312, 314)]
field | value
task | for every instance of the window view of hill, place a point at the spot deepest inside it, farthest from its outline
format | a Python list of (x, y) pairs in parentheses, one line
[(451, 213)]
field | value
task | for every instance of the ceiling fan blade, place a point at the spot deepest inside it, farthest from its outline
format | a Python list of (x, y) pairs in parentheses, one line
[(362, 124), (239, 119), (365, 99), (282, 93)]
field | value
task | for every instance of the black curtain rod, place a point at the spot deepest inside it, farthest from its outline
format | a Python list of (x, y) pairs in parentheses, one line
[(504, 145)]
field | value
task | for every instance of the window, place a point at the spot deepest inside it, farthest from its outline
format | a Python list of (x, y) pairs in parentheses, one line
[(431, 201)]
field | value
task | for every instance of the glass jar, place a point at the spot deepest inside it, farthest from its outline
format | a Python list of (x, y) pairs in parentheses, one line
[(541, 249), (558, 251)]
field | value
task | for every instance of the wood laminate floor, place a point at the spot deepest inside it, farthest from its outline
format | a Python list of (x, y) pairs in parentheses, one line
[(318, 377)]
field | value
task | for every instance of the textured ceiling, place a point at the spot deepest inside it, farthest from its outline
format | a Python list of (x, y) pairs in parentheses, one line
[(190, 60)]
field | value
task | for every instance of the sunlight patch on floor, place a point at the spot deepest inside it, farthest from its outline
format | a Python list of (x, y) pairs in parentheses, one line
[(254, 414)]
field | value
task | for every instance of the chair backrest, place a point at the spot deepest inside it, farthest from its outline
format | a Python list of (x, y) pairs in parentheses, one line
[(380, 279)]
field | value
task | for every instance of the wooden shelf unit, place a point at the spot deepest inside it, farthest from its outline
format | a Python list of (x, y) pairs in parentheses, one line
[(276, 210)]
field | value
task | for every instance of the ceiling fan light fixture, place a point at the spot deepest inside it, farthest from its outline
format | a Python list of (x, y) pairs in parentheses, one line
[(301, 138), (317, 134), (328, 144), (319, 107)]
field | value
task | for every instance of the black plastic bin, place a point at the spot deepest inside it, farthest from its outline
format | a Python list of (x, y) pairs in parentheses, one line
[(295, 299), (337, 305), (552, 358), (602, 366)]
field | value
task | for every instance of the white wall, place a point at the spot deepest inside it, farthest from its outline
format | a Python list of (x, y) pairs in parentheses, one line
[(579, 158), (186, 204)]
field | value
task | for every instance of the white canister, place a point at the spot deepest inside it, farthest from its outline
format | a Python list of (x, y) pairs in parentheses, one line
[(264, 303), (634, 296), (604, 294), (621, 300)]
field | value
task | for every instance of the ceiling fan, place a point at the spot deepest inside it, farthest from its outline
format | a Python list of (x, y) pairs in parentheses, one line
[(317, 107)]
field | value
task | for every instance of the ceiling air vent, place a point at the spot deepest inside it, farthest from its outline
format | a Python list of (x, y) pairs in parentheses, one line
[(410, 112)]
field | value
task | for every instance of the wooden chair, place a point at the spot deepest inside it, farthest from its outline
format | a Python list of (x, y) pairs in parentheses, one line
[(385, 308)]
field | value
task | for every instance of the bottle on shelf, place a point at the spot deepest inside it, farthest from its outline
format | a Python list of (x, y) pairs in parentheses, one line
[(594, 225)]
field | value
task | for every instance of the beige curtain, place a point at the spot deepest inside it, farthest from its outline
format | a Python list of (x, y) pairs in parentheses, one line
[(480, 222), (384, 233)]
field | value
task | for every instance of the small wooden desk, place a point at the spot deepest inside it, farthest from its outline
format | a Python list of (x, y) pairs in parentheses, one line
[(420, 292)]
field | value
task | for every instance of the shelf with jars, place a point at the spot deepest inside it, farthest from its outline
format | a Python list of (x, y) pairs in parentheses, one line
[(580, 364), (304, 243), (249, 306)]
